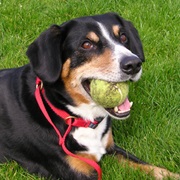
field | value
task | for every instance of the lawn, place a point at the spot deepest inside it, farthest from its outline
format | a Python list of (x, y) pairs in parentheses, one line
[(153, 131)]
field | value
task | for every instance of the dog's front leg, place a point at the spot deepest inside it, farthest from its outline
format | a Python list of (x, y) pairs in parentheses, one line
[(125, 157)]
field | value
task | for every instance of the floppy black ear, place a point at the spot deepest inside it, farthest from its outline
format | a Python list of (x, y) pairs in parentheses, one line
[(45, 54), (135, 44)]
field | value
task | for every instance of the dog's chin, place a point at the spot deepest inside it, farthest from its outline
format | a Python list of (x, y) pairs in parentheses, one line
[(117, 116), (120, 112)]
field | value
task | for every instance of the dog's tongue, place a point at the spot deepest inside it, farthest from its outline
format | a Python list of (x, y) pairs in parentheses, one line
[(125, 106)]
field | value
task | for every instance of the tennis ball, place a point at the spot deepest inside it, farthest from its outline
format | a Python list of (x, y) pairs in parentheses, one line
[(108, 94)]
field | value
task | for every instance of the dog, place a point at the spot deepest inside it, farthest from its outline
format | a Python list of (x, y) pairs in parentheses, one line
[(49, 122)]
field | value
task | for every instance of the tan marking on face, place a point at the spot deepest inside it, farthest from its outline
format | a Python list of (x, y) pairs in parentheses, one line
[(66, 69), (110, 142), (116, 30), (72, 83), (93, 37), (79, 165), (72, 78)]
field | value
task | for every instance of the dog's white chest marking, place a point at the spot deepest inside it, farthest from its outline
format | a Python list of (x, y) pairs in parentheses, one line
[(92, 139)]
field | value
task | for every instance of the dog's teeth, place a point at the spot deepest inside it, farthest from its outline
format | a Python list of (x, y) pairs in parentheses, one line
[(131, 103), (116, 109)]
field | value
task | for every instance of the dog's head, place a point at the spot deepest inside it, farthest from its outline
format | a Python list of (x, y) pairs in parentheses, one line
[(103, 47)]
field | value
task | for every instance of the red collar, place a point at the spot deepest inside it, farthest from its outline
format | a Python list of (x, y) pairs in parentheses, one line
[(70, 121), (76, 121)]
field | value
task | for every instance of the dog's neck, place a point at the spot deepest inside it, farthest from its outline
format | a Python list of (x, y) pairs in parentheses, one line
[(88, 111), (77, 121)]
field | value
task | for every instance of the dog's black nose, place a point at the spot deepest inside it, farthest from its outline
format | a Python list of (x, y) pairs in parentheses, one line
[(131, 65)]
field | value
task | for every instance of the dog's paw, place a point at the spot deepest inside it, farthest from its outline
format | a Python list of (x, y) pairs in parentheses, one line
[(161, 173)]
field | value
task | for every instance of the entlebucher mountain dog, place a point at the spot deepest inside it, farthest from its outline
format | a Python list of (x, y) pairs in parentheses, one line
[(49, 123)]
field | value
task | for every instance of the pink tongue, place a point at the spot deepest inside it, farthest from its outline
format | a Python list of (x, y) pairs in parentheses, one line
[(125, 106)]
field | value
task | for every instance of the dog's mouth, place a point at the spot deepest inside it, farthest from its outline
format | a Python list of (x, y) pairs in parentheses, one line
[(121, 111)]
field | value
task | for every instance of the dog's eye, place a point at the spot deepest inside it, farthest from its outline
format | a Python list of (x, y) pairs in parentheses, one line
[(123, 38), (87, 45)]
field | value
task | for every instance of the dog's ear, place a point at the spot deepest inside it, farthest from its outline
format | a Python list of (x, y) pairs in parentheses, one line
[(135, 44), (45, 54)]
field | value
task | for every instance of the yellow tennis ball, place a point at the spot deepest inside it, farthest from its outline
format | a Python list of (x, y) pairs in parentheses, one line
[(108, 94)]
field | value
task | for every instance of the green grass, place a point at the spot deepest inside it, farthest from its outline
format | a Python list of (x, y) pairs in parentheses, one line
[(153, 130)]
